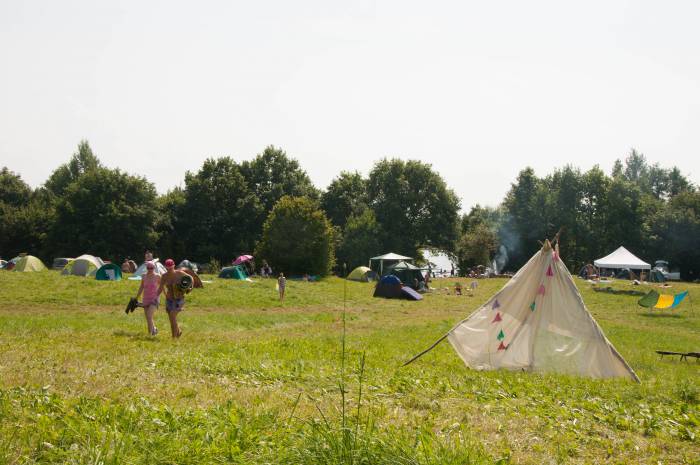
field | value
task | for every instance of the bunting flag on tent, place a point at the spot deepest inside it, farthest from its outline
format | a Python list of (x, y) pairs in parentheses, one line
[(662, 301), (561, 336)]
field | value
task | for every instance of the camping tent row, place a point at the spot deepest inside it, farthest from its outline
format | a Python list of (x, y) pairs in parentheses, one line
[(85, 265), (538, 322)]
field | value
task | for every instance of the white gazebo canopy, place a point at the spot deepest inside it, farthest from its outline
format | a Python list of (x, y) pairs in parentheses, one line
[(388, 257), (622, 258)]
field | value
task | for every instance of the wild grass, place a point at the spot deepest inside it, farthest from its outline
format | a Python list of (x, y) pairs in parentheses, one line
[(254, 380)]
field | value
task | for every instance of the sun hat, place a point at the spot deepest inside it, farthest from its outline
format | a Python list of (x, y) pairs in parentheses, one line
[(169, 262)]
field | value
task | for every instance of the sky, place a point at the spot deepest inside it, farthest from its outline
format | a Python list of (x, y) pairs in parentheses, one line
[(479, 90)]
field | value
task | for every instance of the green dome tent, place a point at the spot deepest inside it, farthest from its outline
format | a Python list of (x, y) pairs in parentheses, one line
[(29, 263), (363, 274), (109, 272), (233, 272), (85, 265)]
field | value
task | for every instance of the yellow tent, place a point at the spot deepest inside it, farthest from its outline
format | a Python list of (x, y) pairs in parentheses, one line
[(362, 273), (29, 263)]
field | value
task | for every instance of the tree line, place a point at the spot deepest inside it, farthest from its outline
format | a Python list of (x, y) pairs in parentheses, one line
[(653, 211), (269, 207)]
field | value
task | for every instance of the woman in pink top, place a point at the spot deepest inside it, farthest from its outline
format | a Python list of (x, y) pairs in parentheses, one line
[(149, 287)]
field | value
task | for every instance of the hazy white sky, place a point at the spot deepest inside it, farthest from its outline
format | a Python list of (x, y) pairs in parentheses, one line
[(477, 89)]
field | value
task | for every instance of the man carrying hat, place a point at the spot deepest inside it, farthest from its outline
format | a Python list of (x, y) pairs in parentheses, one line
[(172, 282)]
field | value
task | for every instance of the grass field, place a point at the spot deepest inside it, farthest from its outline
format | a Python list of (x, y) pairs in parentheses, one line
[(255, 381)]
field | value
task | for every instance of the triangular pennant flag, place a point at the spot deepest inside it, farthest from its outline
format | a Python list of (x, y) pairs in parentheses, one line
[(496, 305), (497, 318), (501, 346), (532, 306), (500, 336), (549, 271), (541, 289)]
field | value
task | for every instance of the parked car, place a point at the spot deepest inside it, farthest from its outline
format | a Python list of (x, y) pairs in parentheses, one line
[(662, 266), (60, 263)]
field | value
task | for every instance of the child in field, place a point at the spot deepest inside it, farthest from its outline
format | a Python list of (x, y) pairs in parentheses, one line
[(281, 285), (149, 287)]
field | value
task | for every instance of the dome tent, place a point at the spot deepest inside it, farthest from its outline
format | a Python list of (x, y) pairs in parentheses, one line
[(189, 265), (85, 265), (109, 272), (363, 274), (389, 287), (233, 272), (29, 263), (141, 270)]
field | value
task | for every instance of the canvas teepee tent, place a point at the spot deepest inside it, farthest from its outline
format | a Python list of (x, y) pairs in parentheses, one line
[(538, 322)]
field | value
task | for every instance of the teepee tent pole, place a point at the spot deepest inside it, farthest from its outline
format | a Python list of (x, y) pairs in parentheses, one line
[(427, 350)]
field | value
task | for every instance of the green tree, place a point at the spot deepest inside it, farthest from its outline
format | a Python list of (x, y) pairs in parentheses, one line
[(526, 220), (636, 168), (345, 196), (481, 215), (595, 185), (564, 192), (676, 232), (219, 214), (360, 240), (677, 183), (107, 213), (83, 161), (14, 192), (272, 174), (297, 238), (25, 217), (25, 228), (618, 169), (476, 246), (171, 209), (413, 205), (624, 216)]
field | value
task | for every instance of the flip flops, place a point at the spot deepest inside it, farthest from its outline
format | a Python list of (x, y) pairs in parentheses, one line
[(131, 306)]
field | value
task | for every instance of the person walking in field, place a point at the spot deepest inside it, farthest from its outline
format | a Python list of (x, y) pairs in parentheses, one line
[(149, 288), (171, 282), (281, 285)]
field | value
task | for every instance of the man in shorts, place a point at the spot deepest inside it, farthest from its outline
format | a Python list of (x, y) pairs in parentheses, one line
[(174, 294)]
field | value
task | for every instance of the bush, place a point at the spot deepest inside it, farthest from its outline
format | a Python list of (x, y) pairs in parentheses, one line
[(297, 238)]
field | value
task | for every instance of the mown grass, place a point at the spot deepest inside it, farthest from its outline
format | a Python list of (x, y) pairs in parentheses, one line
[(254, 380)]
